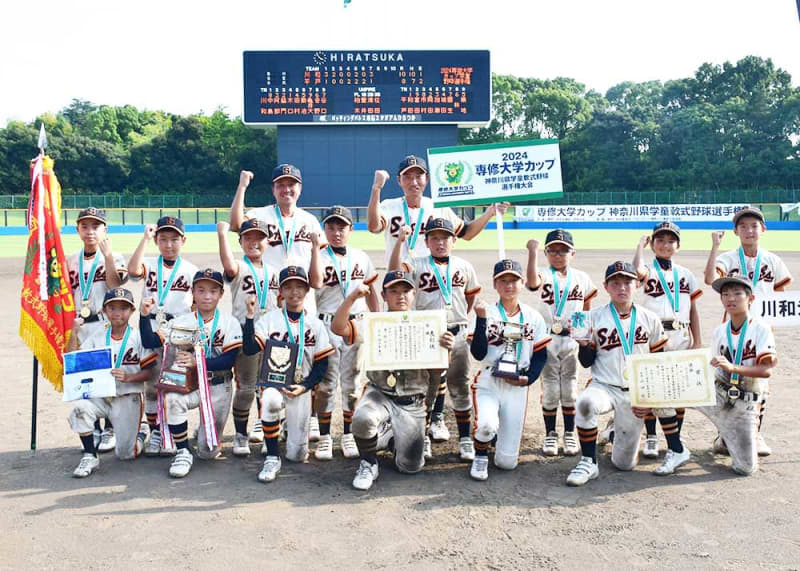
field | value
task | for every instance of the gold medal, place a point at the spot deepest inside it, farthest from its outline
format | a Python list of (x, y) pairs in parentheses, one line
[(161, 317), (557, 327), (298, 377), (85, 311), (391, 381)]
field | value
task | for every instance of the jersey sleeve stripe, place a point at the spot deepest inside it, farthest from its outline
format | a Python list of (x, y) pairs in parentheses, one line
[(473, 291), (327, 352), (405, 267), (383, 223), (766, 355), (658, 345), (351, 333), (784, 282), (149, 360), (370, 280), (592, 294), (695, 294), (720, 272), (542, 343), (231, 347)]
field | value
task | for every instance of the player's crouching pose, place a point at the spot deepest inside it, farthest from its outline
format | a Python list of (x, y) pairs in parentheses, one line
[(221, 338), (294, 324), (500, 402), (393, 404), (131, 361), (744, 355), (619, 329)]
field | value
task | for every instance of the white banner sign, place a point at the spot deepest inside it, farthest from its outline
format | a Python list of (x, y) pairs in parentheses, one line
[(481, 174), (628, 213), (779, 308)]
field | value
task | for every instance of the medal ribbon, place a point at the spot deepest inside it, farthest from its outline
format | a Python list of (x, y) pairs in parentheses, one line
[(86, 283), (162, 293), (737, 356), (208, 341), (346, 285), (674, 301), (628, 340), (261, 290), (743, 264), (445, 286), (287, 241), (121, 354), (301, 343), (505, 318), (415, 233), (560, 299)]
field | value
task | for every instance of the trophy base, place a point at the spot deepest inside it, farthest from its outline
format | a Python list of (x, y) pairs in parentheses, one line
[(177, 382), (505, 371)]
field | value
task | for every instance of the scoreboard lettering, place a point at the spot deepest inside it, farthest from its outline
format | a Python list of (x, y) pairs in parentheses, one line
[(351, 87)]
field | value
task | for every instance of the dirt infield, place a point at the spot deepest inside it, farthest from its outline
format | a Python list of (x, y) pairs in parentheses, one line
[(132, 514)]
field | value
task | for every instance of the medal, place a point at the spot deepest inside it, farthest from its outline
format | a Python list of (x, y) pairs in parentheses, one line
[(445, 285), (286, 239), (163, 292), (261, 287), (298, 377), (674, 299), (559, 299), (85, 311), (557, 328), (161, 316), (301, 338), (262, 311), (85, 283), (743, 265), (412, 240), (344, 286), (391, 381)]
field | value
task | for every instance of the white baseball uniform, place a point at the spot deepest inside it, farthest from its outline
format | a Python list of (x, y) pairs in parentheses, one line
[(97, 289), (772, 275)]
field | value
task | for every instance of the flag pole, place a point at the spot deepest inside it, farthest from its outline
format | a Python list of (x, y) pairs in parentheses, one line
[(42, 144)]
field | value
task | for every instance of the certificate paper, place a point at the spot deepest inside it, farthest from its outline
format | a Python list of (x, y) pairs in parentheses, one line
[(404, 340), (87, 375), (672, 379)]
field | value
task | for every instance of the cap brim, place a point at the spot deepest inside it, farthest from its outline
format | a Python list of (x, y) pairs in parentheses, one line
[(512, 272), (90, 217), (445, 230), (205, 279), (398, 281), (170, 227), (264, 232), (297, 278), (720, 283), (291, 176), (751, 213), (559, 242), (665, 231), (409, 167), (125, 299), (338, 217), (621, 273)]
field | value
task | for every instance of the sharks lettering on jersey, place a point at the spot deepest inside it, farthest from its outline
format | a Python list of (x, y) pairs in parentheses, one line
[(302, 234), (652, 287), (330, 279), (180, 284), (609, 339), (575, 294), (428, 283)]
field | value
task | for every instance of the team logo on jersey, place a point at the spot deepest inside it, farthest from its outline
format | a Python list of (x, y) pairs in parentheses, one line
[(766, 274), (575, 294), (180, 283), (274, 235), (99, 276), (248, 283), (748, 353), (329, 279), (131, 357), (311, 339), (652, 287), (428, 283), (609, 338)]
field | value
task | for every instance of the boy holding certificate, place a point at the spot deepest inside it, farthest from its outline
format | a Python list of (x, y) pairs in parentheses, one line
[(450, 283), (168, 282), (250, 277), (509, 339), (131, 363), (566, 290), (744, 356), (391, 412)]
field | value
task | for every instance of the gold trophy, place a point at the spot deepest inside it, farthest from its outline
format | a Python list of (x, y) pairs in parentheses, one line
[(507, 366), (174, 377)]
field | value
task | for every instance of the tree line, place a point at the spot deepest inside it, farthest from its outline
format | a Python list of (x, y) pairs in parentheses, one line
[(729, 126)]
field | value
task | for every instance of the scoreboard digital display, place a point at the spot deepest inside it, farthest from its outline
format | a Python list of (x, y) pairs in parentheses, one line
[(367, 87)]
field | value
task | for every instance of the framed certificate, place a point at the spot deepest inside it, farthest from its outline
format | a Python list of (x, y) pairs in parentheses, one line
[(673, 379), (87, 375), (398, 340)]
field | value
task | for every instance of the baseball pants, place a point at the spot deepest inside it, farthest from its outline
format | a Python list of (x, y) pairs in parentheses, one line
[(738, 425), (125, 413), (343, 370), (560, 374), (500, 411), (458, 380), (246, 372), (178, 406), (298, 413)]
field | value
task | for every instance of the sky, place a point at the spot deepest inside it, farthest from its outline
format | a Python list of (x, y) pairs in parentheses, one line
[(186, 57)]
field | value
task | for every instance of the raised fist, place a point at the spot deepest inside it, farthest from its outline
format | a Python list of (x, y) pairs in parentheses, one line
[(150, 231), (223, 227), (533, 245), (480, 307), (250, 305), (716, 238), (148, 303), (359, 292), (105, 246), (405, 232), (644, 241), (380, 179), (244, 178)]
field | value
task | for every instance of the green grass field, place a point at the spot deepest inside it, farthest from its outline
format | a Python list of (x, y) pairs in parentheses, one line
[(777, 240)]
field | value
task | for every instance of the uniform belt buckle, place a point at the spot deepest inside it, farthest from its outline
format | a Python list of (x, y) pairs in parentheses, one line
[(734, 393)]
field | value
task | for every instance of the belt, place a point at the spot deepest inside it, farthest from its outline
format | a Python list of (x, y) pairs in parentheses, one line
[(457, 328), (404, 400), (219, 377), (168, 316), (93, 318), (672, 324), (746, 396), (326, 318)]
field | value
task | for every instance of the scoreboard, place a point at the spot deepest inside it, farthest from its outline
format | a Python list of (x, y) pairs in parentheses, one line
[(367, 87)]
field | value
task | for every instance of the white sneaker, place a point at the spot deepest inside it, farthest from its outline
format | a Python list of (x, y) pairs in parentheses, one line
[(88, 464), (271, 469), (365, 475), (605, 435), (349, 446), (313, 429), (107, 441), (550, 446), (438, 429), (181, 464), (672, 461), (241, 445), (141, 437), (719, 446), (169, 451), (264, 448), (256, 435), (571, 445), (650, 449), (324, 449), (427, 451), (480, 468), (585, 470), (466, 449), (762, 447), (153, 447)]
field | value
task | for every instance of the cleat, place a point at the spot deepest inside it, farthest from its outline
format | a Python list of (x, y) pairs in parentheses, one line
[(241, 445), (107, 441), (141, 437), (153, 447), (271, 469), (571, 445), (349, 447), (585, 470), (365, 475), (672, 461), (313, 429), (466, 449), (324, 449), (264, 448), (650, 449), (438, 429), (719, 446), (88, 464), (427, 451), (761, 446), (480, 468), (181, 464), (256, 435), (550, 446)]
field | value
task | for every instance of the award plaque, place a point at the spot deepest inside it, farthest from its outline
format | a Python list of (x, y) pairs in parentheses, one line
[(507, 366), (278, 365), (174, 377)]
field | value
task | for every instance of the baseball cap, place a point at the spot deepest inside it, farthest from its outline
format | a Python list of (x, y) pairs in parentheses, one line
[(559, 237), (170, 223), (411, 162), (507, 266), (292, 273), (93, 213), (620, 269), (286, 170), (340, 212), (208, 274), (118, 294), (720, 283), (666, 226), (440, 224), (252, 225), (397, 276), (748, 211)]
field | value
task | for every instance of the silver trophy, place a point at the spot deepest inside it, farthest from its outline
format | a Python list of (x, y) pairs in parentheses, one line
[(507, 366), (580, 326), (174, 377)]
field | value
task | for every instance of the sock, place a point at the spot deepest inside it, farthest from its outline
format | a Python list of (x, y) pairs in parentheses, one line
[(481, 448), (650, 424), (324, 423), (152, 421), (271, 432), (670, 427), (438, 404), (588, 438), (463, 422), (347, 418), (568, 412), (549, 419), (368, 448), (762, 409), (680, 412), (240, 418), (88, 444), (180, 434)]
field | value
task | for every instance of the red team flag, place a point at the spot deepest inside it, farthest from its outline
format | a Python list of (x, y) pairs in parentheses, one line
[(48, 308)]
